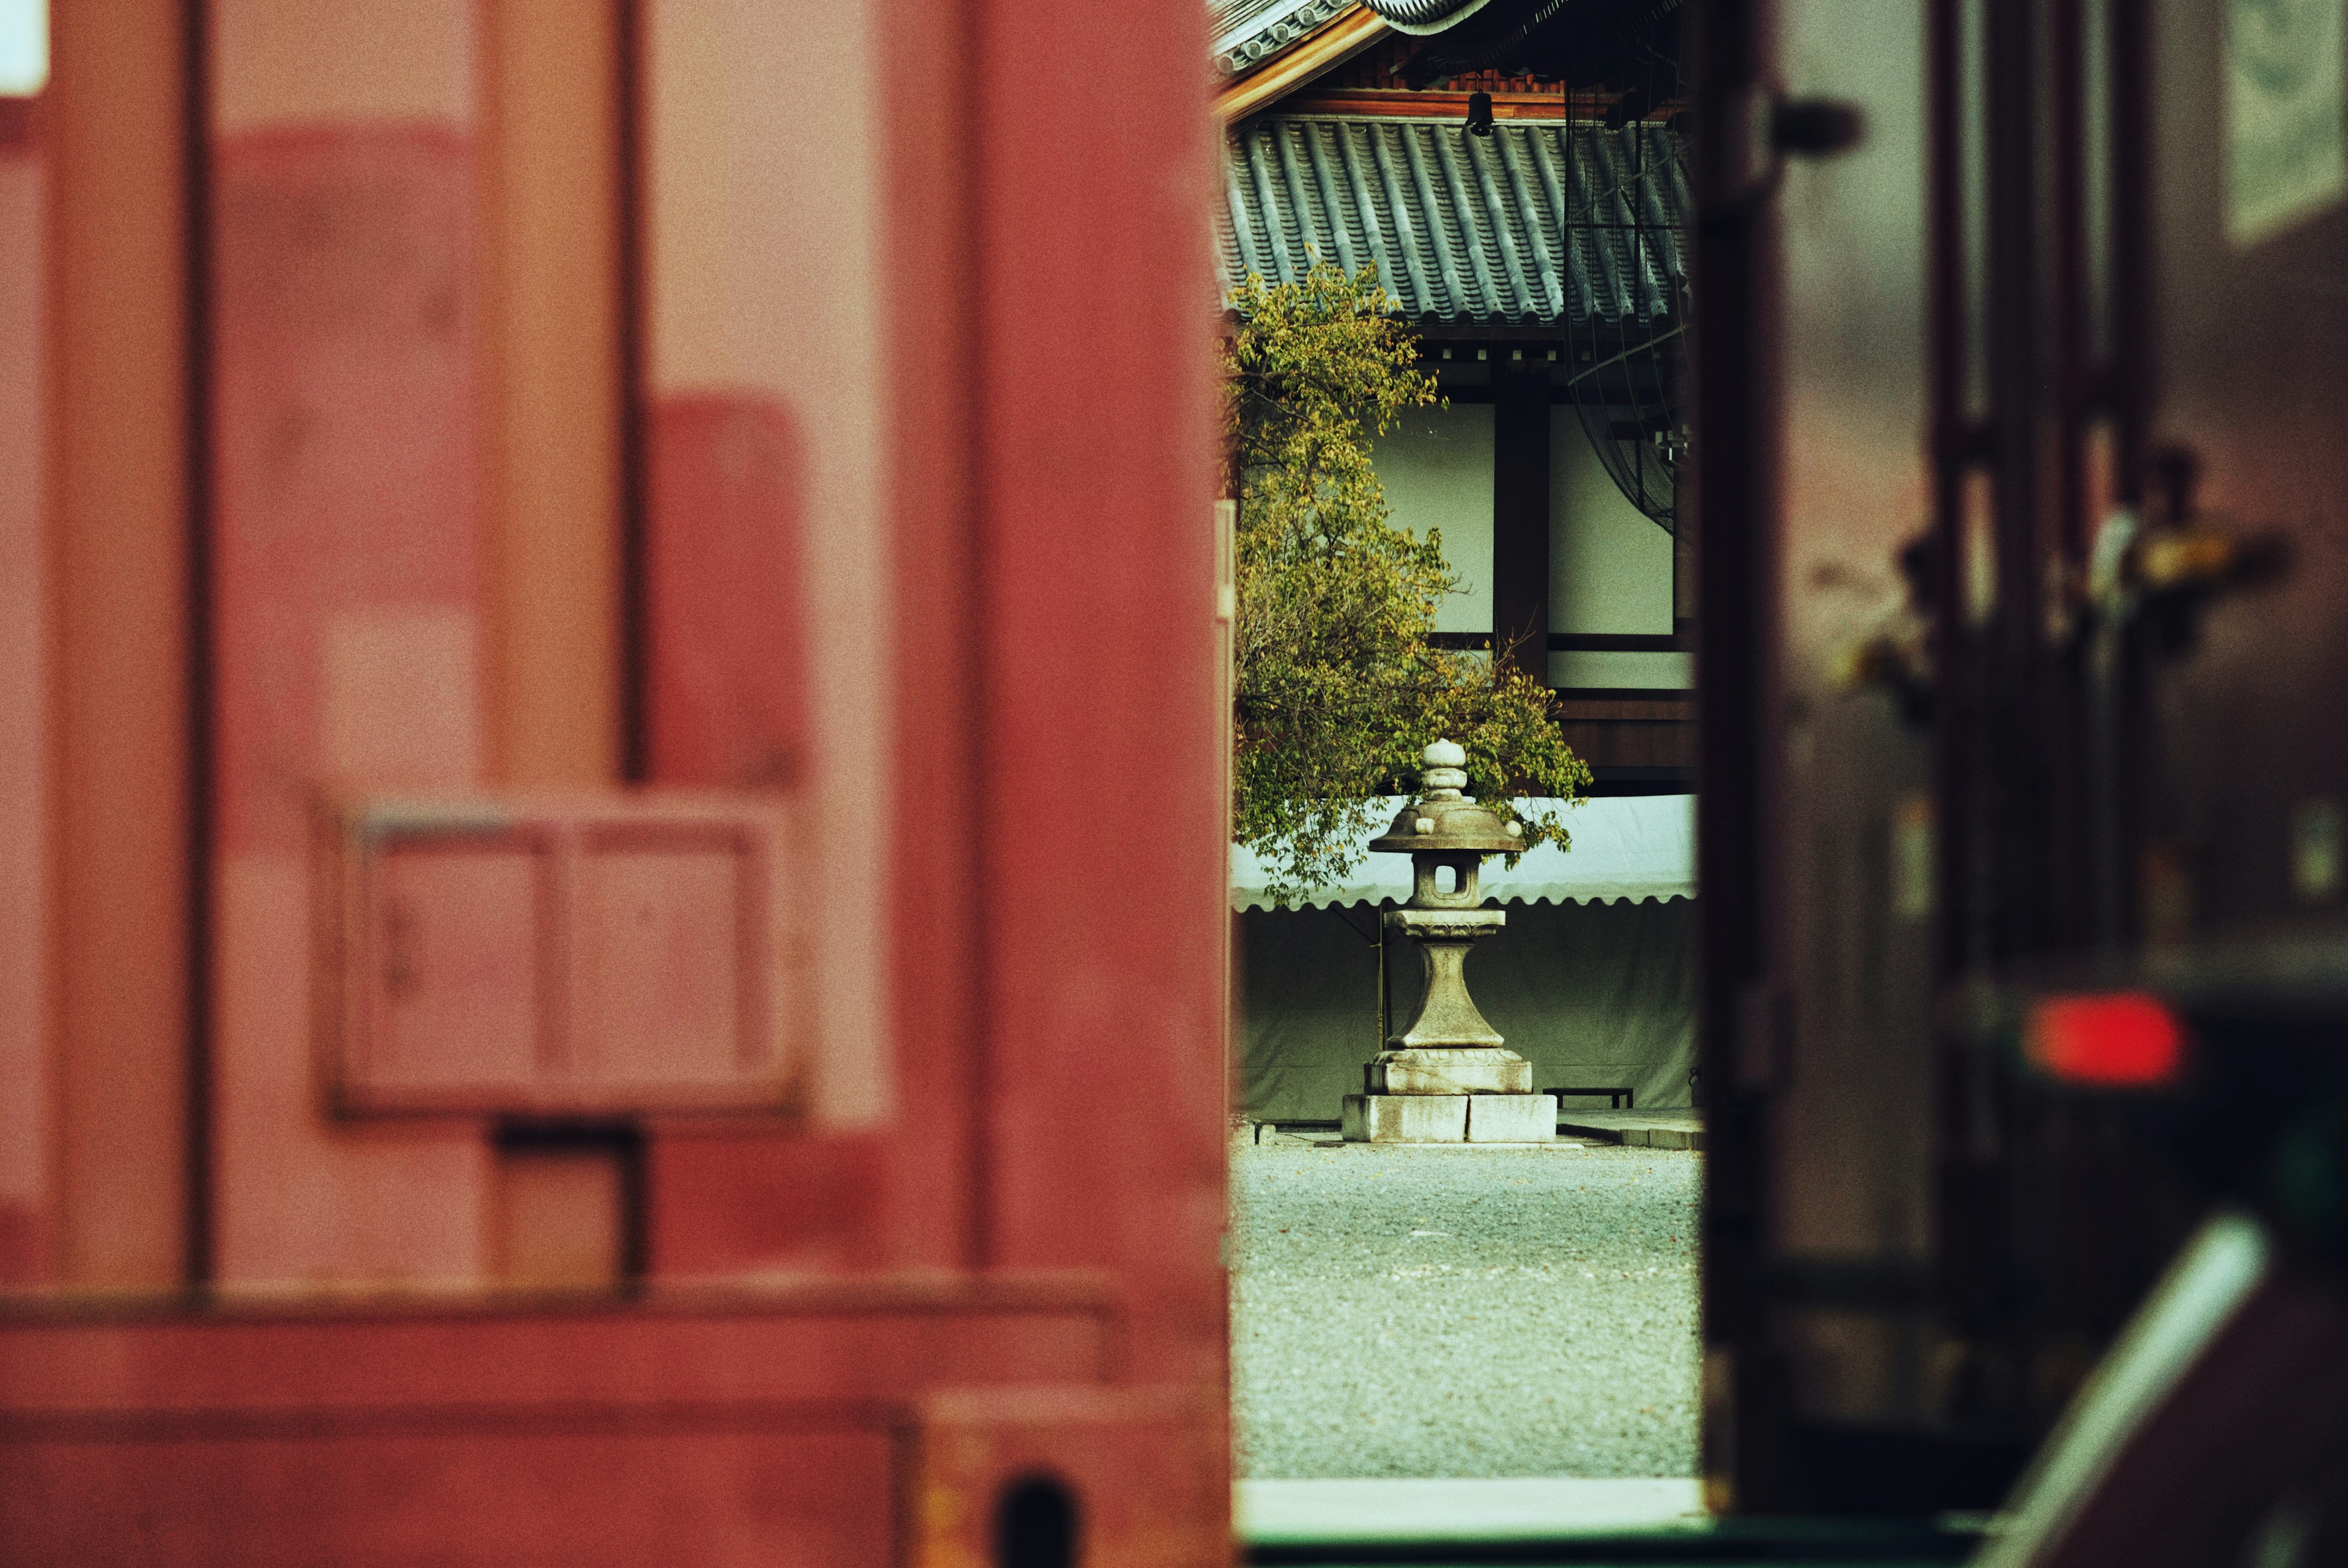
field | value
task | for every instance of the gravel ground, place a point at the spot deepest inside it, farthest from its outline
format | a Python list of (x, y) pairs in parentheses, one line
[(1464, 1312)]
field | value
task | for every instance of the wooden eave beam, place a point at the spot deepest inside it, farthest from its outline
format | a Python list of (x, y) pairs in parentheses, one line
[(1331, 47)]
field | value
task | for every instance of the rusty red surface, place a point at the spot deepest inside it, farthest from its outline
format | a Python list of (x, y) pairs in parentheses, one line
[(882, 1339), (24, 676), (20, 124), (345, 591), (701, 1428), (1100, 738), (345, 549), (726, 672), (725, 1200), (749, 1488)]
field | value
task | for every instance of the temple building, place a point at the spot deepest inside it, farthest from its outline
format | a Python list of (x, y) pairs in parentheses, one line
[(1515, 175)]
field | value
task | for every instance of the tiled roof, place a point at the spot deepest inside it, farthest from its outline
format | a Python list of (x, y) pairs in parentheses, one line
[(1545, 222)]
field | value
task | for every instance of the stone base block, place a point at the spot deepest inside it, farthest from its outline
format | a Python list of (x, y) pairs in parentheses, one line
[(1511, 1118), (1407, 1118), (1449, 1070)]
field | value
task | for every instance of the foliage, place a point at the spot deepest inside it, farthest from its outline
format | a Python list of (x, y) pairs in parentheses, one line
[(1338, 687)]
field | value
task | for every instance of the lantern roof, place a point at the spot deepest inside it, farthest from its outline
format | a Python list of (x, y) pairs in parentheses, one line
[(1444, 821)]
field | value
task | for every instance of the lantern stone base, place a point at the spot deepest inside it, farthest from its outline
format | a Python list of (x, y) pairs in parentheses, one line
[(1449, 1070), (1406, 1119), (1451, 1119), (1512, 1119)]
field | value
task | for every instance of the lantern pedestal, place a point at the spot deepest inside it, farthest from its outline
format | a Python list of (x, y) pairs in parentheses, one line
[(1440, 1071), (1406, 1119), (1451, 1119), (1449, 1077)]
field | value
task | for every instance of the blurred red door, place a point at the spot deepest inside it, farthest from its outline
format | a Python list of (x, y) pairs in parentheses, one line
[(633, 843)]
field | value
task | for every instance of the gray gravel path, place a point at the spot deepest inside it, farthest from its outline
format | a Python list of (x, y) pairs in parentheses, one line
[(1464, 1312)]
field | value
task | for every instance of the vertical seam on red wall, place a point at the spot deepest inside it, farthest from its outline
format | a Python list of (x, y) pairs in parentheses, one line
[(196, 157), (633, 665), (977, 346), (932, 329)]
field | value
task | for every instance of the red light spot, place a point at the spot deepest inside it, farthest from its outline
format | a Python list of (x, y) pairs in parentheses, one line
[(2120, 1039)]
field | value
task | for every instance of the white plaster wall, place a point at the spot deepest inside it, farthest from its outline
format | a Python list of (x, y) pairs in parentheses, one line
[(1610, 566), (1609, 570), (1436, 466), (1620, 671)]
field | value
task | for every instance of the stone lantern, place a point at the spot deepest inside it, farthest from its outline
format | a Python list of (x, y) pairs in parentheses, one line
[(1449, 1078)]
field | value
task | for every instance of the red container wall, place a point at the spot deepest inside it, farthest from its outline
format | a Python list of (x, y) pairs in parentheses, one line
[(836, 440)]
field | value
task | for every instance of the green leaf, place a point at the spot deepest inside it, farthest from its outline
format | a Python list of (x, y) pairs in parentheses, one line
[(1338, 687)]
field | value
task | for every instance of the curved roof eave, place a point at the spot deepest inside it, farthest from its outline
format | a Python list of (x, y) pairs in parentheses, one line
[(1423, 16)]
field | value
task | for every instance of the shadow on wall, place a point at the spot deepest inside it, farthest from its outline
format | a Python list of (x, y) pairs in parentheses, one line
[(1589, 993)]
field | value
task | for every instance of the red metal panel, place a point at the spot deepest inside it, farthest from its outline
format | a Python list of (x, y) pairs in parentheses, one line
[(1033, 479), (343, 516), (720, 1490), (765, 554), (933, 891), (878, 1339), (452, 984), (695, 1427), (721, 1199), (725, 649), (120, 892), (673, 950), (345, 587), (1104, 1067), (619, 955), (24, 1094)]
